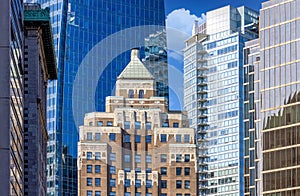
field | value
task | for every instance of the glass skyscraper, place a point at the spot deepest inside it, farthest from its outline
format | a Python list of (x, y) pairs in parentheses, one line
[(90, 38), (213, 67)]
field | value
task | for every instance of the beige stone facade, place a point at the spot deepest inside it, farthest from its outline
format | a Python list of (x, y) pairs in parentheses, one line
[(136, 147)]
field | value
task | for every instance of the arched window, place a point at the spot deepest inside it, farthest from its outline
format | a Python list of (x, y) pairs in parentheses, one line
[(141, 94)]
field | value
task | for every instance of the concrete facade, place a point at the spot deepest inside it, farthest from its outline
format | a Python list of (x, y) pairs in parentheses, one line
[(136, 147)]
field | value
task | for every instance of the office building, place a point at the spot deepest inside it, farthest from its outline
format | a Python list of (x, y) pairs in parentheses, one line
[(213, 96), (11, 98), (39, 67), (272, 66), (136, 147), (109, 28)]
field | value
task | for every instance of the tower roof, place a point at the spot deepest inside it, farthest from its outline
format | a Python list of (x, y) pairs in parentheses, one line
[(135, 69)]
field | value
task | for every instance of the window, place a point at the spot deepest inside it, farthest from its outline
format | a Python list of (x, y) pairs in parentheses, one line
[(127, 183), (148, 170), (89, 136), (148, 194), (178, 158), (89, 182), (112, 193), (163, 194), (127, 125), (89, 193), (163, 171), (187, 184), (137, 125), (90, 123), (178, 184), (97, 156), (112, 182), (97, 169), (148, 125), (89, 169), (163, 158), (89, 155), (138, 194), (112, 156), (100, 123), (187, 171), (148, 158), (112, 170), (166, 124), (127, 138), (138, 183), (138, 170), (130, 94), (141, 94), (97, 136), (97, 193), (175, 124), (137, 138), (127, 169), (109, 123), (163, 137), (112, 137), (186, 158), (148, 183), (137, 158), (178, 138), (127, 194), (178, 194), (127, 158), (187, 194), (164, 184), (178, 171), (186, 138), (148, 138), (97, 181)]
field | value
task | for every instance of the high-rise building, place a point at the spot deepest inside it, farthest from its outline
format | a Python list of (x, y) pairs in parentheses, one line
[(39, 66), (272, 125), (213, 96), (94, 37), (11, 98), (136, 147)]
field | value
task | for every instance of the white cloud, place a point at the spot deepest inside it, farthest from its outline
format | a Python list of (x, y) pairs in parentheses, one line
[(183, 20)]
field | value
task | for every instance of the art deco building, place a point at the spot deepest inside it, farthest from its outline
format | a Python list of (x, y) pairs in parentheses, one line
[(272, 65), (213, 96), (136, 147)]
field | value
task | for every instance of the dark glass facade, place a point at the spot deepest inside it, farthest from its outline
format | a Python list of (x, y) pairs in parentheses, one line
[(80, 28)]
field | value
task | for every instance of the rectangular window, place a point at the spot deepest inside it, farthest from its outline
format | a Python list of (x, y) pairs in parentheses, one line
[(148, 183), (187, 184), (130, 93), (186, 158), (178, 138), (163, 158), (112, 170), (112, 193), (127, 158), (97, 136), (97, 181), (89, 193), (178, 184), (112, 156), (100, 123), (112, 137), (148, 159), (138, 194), (127, 138), (178, 171), (127, 194), (127, 183), (89, 169), (187, 171), (97, 193), (127, 125), (165, 124), (175, 124), (89, 136), (163, 137), (137, 125), (97, 169), (109, 123), (164, 184), (89, 155), (137, 158), (97, 155), (178, 158), (137, 138), (148, 138), (186, 138), (89, 182), (138, 183), (112, 182), (148, 170), (163, 171), (148, 125), (178, 194)]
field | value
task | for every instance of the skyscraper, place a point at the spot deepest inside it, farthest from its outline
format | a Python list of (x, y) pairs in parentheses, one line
[(92, 39), (214, 96), (137, 147), (11, 98), (272, 67)]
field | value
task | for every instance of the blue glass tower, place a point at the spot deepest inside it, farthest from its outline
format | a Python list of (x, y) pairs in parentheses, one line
[(92, 40)]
